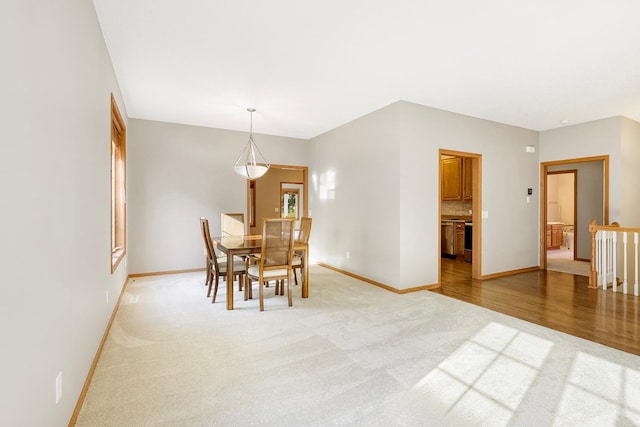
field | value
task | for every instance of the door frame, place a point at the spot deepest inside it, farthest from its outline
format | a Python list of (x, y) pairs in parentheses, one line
[(476, 215), (544, 170)]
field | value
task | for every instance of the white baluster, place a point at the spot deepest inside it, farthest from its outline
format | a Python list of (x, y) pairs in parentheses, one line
[(635, 243), (625, 288), (604, 260), (598, 256), (614, 260), (597, 264)]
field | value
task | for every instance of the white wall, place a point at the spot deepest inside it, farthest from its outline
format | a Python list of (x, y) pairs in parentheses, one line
[(510, 233), (630, 174), (617, 137), (56, 82), (178, 173), (354, 197), (386, 198), (597, 138)]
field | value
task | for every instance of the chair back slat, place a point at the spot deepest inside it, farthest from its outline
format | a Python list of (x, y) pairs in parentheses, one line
[(208, 243), (305, 230)]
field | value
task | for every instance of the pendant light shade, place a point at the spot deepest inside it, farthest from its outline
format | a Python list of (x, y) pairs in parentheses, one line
[(251, 163)]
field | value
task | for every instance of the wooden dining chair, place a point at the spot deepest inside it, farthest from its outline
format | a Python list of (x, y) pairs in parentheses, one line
[(298, 256), (204, 228), (215, 267), (276, 257)]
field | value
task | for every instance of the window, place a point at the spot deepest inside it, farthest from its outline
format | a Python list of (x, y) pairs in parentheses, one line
[(289, 201), (118, 197)]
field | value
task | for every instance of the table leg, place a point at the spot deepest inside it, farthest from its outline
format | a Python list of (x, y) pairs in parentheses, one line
[(229, 280), (305, 278)]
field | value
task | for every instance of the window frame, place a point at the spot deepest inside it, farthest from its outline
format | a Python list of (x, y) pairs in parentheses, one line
[(118, 180)]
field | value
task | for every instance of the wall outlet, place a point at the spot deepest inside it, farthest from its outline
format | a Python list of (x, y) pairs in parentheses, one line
[(58, 386), (485, 214), (106, 297), (348, 254)]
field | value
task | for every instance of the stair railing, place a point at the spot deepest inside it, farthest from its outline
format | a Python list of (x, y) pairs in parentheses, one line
[(610, 246)]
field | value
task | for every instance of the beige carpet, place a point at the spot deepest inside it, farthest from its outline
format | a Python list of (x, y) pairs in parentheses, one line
[(562, 260), (350, 355)]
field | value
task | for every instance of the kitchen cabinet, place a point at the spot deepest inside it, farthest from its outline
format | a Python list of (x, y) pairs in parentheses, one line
[(467, 178), (555, 234), (457, 178), (451, 179), (459, 247)]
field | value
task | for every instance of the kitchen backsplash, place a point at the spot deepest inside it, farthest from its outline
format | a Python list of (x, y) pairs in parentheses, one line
[(456, 207)]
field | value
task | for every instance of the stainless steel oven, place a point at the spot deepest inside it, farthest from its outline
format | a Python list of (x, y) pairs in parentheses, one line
[(468, 241)]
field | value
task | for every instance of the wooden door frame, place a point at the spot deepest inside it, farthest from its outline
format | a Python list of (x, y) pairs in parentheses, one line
[(544, 170), (476, 215)]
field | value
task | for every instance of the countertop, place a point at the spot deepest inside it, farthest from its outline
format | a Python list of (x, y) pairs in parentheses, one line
[(461, 218)]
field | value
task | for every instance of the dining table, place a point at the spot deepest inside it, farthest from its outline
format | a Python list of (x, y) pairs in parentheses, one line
[(252, 244)]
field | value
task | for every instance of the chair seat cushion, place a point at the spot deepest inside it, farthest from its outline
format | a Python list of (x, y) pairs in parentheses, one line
[(238, 267), (297, 261), (254, 271)]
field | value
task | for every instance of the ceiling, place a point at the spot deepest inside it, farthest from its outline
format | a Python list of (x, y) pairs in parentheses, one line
[(311, 66)]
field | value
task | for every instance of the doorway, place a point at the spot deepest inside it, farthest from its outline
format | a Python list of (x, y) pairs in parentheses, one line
[(574, 191), (562, 200), (460, 201), (272, 195)]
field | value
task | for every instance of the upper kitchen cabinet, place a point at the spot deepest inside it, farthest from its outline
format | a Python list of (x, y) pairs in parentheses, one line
[(457, 178), (467, 178), (451, 179)]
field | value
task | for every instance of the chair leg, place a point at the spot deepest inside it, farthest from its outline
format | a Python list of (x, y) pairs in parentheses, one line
[(295, 276), (289, 290), (261, 285), (209, 283), (247, 287), (206, 282), (215, 290)]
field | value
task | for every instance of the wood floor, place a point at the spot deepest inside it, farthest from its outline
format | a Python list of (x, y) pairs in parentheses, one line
[(559, 301)]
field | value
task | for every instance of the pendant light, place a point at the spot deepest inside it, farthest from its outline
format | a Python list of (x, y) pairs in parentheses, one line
[(251, 163)]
